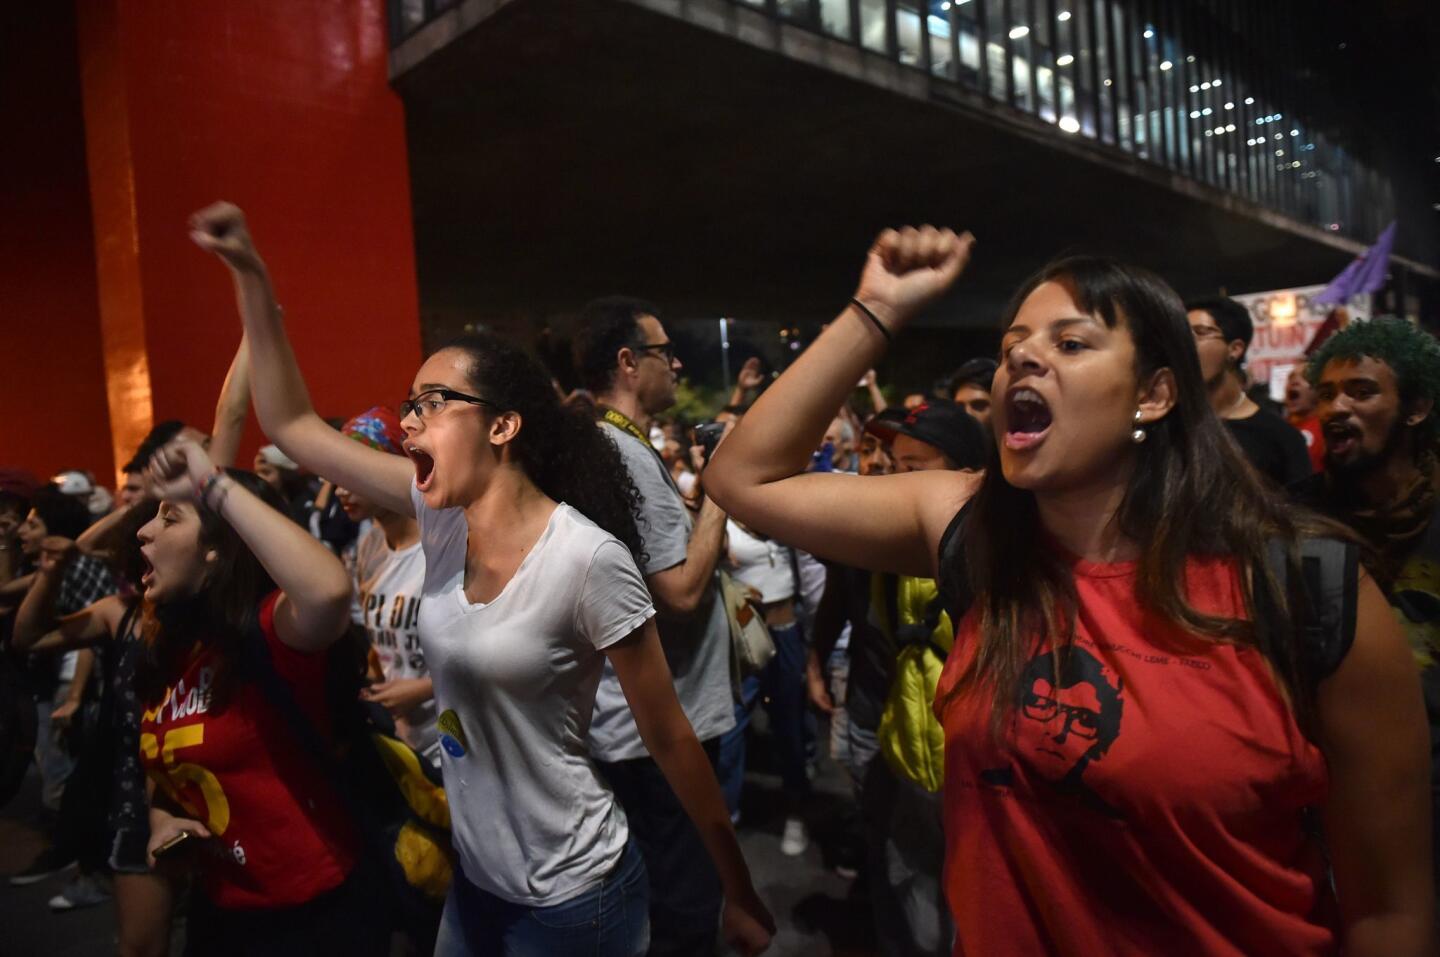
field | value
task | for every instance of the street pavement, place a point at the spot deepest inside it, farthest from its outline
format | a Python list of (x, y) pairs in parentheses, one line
[(818, 913)]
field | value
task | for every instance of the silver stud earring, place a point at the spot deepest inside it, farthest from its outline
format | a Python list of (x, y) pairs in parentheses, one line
[(1137, 436)]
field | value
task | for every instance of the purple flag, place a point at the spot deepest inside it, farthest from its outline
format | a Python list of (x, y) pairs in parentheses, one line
[(1365, 274)]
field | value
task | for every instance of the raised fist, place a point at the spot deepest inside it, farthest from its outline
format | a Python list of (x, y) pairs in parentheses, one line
[(910, 268), (751, 376), (176, 470), (56, 552), (220, 229)]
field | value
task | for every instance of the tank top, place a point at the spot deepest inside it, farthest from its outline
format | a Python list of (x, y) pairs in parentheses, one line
[(1150, 798)]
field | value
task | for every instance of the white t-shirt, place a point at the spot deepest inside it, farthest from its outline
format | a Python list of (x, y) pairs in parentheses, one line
[(388, 584), (762, 563), (515, 678)]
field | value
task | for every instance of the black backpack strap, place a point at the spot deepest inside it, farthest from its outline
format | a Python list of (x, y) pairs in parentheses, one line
[(1324, 603), (954, 589), (127, 621)]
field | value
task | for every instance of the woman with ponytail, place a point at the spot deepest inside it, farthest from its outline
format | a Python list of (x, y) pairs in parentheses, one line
[(531, 584)]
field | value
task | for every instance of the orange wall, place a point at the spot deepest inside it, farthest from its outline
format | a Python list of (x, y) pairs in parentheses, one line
[(283, 108), (52, 391)]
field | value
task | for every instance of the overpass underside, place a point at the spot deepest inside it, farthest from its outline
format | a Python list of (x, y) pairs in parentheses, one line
[(720, 163)]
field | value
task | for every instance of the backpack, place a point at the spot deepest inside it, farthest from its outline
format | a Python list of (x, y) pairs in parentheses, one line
[(911, 738), (394, 795), (18, 723)]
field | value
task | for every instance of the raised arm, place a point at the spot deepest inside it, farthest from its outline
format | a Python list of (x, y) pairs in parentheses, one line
[(282, 402), (88, 626), (890, 523), (231, 409), (872, 387), (1378, 818), (36, 614), (314, 608), (747, 380)]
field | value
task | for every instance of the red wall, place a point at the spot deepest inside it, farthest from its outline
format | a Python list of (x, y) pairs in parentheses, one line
[(52, 390), (283, 108)]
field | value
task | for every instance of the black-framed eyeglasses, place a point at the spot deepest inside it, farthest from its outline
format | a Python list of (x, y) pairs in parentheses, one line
[(433, 401), (664, 350), (1079, 720)]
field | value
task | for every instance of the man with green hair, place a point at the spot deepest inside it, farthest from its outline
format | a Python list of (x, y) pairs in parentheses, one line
[(1376, 384)]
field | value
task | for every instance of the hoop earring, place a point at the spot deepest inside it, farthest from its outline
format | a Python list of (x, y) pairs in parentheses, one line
[(1139, 435)]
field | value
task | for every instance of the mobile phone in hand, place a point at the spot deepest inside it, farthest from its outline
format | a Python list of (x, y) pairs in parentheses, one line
[(175, 845)]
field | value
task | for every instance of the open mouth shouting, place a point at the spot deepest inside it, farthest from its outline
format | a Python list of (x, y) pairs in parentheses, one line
[(1027, 419), (147, 578), (424, 466), (1341, 438)]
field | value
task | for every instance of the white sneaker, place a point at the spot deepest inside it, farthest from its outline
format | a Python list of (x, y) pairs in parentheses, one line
[(83, 891), (795, 839)]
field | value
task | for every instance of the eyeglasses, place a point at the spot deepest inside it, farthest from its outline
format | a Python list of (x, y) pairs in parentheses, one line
[(432, 401), (1079, 721), (1207, 332), (664, 350)]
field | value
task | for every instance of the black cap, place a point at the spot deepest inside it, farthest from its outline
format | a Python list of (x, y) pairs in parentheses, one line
[(943, 424)]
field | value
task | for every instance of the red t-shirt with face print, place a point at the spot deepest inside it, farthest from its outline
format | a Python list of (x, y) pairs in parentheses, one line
[(282, 832), (1149, 799)]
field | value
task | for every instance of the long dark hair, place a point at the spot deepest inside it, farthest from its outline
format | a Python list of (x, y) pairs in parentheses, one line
[(560, 448), (221, 615), (1192, 492)]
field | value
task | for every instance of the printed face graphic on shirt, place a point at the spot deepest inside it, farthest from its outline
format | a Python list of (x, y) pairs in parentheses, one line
[(1065, 722)]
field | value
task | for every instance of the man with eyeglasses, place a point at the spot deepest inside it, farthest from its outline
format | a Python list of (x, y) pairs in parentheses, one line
[(625, 359), (1223, 331)]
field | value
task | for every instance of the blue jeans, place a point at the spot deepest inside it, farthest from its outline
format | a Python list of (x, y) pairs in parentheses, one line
[(685, 892), (608, 920), (782, 686)]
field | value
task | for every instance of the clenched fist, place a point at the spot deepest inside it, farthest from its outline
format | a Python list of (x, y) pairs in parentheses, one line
[(220, 228), (908, 269)]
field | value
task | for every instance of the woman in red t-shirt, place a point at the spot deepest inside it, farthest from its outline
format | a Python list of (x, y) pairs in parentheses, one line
[(1133, 758), (268, 837)]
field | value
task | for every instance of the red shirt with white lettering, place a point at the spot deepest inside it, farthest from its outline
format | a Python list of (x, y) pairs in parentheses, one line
[(1149, 799), (241, 772), (1314, 436)]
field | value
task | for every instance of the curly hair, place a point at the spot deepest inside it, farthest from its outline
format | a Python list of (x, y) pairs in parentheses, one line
[(560, 448), (1410, 352)]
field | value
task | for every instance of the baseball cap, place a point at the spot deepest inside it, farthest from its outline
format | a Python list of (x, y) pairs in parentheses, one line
[(74, 482), (938, 422), (379, 428)]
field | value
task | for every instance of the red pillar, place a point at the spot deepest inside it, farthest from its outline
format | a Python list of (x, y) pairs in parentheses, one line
[(52, 387), (283, 108)]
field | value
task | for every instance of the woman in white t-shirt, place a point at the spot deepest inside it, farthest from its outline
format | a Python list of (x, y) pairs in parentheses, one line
[(389, 573), (530, 585), (769, 568)]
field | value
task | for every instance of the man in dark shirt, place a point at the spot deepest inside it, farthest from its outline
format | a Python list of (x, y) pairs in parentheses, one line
[(1223, 331), (1376, 384)]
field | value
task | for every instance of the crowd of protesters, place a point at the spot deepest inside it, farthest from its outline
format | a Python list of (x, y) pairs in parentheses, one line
[(1118, 659)]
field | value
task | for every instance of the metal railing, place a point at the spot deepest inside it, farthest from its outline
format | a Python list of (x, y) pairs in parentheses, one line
[(1224, 92)]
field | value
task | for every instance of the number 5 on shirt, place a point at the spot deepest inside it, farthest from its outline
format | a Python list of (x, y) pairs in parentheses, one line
[(217, 816)]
